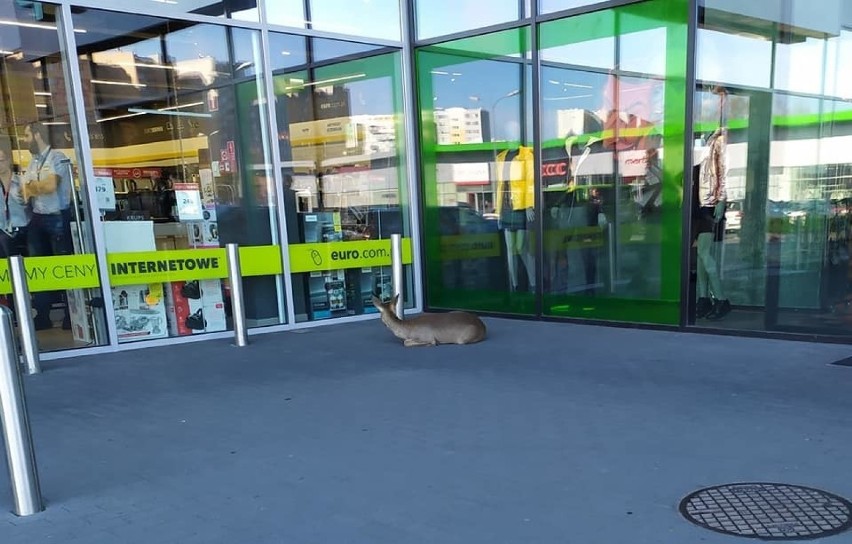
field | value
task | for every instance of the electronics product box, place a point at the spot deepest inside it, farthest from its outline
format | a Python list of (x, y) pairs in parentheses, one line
[(194, 307), (139, 312), (321, 227), (327, 294)]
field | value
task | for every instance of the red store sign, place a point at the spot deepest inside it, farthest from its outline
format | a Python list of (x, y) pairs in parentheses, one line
[(550, 169)]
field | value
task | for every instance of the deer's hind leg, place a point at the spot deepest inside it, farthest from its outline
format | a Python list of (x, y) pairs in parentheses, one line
[(409, 343)]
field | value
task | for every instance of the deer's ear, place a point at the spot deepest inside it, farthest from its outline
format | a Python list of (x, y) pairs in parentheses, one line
[(394, 300), (377, 302)]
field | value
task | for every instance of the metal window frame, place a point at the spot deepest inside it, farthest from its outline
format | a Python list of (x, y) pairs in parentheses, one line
[(77, 107), (412, 153)]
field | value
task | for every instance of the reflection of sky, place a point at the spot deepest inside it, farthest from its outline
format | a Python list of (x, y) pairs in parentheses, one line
[(799, 66), (372, 18), (568, 89), (198, 42), (442, 17), (599, 53), (371, 97), (487, 84), (731, 59), (813, 66), (549, 6), (480, 84)]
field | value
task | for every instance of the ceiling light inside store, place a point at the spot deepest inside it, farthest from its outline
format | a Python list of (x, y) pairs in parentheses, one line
[(285, 53), (122, 83), (164, 1), (190, 105), (41, 105), (137, 65), (323, 81), (52, 123), (174, 113), (41, 93), (5, 52), (35, 25), (118, 117)]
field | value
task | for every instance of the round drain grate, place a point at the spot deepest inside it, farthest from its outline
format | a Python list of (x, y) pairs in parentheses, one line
[(768, 511)]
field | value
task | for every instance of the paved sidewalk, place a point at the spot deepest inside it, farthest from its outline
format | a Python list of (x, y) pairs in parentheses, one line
[(545, 433)]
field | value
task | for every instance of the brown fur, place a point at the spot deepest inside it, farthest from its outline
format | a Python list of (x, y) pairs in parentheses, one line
[(432, 329)]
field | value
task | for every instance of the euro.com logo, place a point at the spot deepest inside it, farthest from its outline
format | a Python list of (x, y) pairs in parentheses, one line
[(350, 255)]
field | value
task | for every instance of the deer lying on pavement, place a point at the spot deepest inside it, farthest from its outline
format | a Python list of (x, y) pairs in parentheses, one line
[(431, 329)]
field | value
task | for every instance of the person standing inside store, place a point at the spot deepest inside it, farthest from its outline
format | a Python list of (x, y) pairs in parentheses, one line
[(47, 188), (14, 212)]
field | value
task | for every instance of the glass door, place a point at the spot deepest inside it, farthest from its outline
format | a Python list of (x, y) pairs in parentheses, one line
[(44, 213)]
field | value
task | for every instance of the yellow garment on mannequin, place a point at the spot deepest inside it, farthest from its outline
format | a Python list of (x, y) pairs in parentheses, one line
[(521, 179)]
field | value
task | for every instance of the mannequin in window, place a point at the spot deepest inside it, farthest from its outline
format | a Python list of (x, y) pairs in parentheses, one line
[(709, 195), (515, 207), (575, 213)]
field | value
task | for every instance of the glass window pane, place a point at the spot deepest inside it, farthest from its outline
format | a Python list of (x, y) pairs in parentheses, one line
[(179, 135), (286, 51), (779, 258), (341, 144), (371, 18), (478, 173), (286, 12), (611, 149), (324, 49), (434, 19), (45, 213), (244, 10), (743, 35), (549, 6)]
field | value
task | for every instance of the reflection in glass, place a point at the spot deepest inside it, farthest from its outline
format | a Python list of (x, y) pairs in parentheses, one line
[(782, 246), (177, 133), (326, 49), (479, 173), (45, 213), (243, 10), (286, 51), (286, 12), (549, 6), (371, 18), (340, 139), (610, 213), (442, 17), (716, 49)]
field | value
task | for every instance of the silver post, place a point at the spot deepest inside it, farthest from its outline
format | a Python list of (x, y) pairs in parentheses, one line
[(16, 426), (23, 307), (397, 277), (238, 307)]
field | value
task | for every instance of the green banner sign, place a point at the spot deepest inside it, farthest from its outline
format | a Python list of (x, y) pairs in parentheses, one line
[(339, 255), (54, 273), (190, 264)]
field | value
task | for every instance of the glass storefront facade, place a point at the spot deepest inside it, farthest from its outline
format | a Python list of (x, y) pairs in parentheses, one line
[(676, 163)]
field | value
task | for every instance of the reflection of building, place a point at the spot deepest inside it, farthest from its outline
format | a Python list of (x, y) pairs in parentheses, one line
[(576, 121), (462, 126)]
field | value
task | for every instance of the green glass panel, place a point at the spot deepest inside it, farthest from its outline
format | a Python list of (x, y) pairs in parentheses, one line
[(612, 241), (474, 107)]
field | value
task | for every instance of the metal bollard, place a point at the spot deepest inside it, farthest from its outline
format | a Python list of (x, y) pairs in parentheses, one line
[(23, 307), (16, 427), (397, 276), (238, 306)]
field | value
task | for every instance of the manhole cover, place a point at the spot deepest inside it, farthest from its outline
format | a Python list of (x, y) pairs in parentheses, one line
[(768, 511)]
